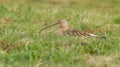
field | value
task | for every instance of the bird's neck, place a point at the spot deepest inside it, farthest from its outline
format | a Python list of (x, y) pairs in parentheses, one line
[(64, 29)]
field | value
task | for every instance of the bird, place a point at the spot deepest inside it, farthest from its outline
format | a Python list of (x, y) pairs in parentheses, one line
[(65, 30)]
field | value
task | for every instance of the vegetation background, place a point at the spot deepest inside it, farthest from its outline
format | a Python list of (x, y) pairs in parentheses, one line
[(20, 21)]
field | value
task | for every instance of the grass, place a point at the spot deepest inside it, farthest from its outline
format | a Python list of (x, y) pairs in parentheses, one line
[(20, 22)]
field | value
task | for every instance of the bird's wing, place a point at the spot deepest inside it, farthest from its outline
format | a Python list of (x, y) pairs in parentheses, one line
[(74, 32)]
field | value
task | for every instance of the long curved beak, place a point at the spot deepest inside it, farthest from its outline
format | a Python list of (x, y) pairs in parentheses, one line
[(48, 26)]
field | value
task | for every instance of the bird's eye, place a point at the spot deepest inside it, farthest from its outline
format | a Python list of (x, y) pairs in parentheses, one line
[(59, 22)]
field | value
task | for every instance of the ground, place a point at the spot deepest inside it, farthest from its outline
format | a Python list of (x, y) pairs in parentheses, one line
[(21, 20)]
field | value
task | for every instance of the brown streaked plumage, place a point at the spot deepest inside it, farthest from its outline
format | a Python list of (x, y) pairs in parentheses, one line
[(65, 30)]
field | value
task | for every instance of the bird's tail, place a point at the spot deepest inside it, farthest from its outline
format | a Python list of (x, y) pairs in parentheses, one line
[(97, 36)]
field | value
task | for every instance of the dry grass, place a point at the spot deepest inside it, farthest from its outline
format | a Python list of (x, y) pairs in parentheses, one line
[(102, 61), (20, 21)]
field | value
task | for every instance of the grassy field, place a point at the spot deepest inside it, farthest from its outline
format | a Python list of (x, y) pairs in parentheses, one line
[(21, 20)]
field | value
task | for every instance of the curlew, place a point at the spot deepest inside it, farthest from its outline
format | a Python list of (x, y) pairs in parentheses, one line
[(65, 30)]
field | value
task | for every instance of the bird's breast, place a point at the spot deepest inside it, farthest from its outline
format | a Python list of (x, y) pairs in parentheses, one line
[(59, 33)]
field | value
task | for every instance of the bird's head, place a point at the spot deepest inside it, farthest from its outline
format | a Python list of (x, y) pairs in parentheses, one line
[(62, 23)]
